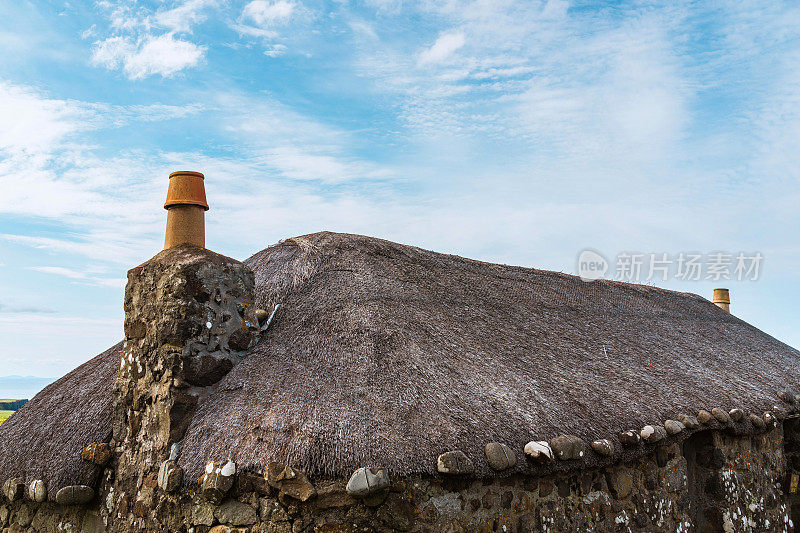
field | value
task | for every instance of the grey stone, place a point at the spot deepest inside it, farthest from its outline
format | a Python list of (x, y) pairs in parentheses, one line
[(737, 415), (673, 427), (690, 422), (629, 438), (653, 434), (603, 447), (217, 480), (236, 513), (271, 511), (14, 489), (769, 420), (567, 447), (454, 463), (175, 450), (721, 416), (704, 417), (500, 456), (289, 481), (368, 480), (24, 516), (757, 422), (170, 476), (74, 495), (37, 491), (262, 316), (202, 513)]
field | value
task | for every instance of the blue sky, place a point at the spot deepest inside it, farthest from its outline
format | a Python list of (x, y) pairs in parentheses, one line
[(514, 132)]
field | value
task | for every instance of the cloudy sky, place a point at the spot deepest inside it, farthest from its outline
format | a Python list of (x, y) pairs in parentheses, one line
[(516, 132)]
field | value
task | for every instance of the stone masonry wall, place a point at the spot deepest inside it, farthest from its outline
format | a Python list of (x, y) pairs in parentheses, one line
[(711, 481)]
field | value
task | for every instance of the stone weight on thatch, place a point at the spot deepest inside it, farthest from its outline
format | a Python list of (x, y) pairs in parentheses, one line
[(721, 416), (289, 481), (567, 447), (539, 450), (37, 491), (603, 447), (170, 476), (653, 434), (455, 463), (217, 480), (368, 480), (690, 422), (500, 456), (769, 420), (737, 415), (786, 396), (14, 489), (262, 316), (673, 427), (75, 495), (98, 453), (629, 438), (757, 422), (704, 417)]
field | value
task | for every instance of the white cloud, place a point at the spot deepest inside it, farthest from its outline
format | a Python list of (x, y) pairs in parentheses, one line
[(267, 13), (85, 277), (185, 15), (443, 48), (163, 55)]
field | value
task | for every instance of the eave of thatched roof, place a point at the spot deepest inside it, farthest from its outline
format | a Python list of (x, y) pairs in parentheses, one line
[(43, 440), (384, 354)]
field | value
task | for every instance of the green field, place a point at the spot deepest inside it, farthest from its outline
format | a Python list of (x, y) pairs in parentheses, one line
[(4, 415)]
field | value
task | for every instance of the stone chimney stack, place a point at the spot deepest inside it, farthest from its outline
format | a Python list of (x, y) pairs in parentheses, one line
[(189, 318), (722, 299), (186, 206)]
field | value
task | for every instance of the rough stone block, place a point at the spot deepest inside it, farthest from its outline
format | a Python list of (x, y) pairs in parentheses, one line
[(235, 513), (98, 453), (289, 481)]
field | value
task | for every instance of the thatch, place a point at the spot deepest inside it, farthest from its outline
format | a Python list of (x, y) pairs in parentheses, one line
[(384, 354), (388, 355), (44, 439)]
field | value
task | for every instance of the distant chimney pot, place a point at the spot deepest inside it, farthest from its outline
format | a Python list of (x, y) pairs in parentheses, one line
[(722, 299), (186, 206)]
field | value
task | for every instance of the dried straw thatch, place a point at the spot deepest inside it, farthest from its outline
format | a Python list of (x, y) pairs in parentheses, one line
[(43, 440), (389, 355), (384, 354)]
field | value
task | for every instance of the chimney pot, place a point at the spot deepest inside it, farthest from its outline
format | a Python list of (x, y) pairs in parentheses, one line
[(722, 299), (186, 206)]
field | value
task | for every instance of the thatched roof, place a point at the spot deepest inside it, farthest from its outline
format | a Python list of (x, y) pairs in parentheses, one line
[(389, 355), (385, 354), (43, 440)]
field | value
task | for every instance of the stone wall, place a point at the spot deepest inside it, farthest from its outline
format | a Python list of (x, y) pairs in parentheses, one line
[(189, 318), (710, 481)]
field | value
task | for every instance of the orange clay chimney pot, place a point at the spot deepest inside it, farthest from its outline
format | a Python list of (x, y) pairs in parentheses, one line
[(186, 206), (722, 299)]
